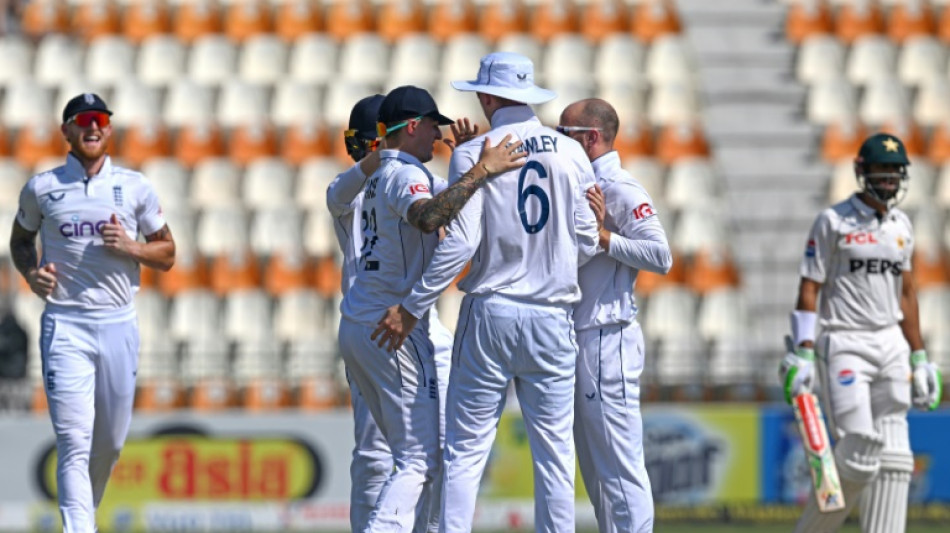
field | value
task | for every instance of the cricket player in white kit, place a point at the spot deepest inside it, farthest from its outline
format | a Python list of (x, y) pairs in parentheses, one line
[(372, 458), (399, 218), (88, 214), (871, 359), (608, 429), (526, 232)]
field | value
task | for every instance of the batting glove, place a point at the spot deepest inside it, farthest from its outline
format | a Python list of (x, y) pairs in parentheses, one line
[(797, 370), (926, 382)]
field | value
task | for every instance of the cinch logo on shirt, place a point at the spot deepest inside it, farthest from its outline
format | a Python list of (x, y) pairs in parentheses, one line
[(642, 211), (418, 188), (876, 266), (81, 228), (860, 237)]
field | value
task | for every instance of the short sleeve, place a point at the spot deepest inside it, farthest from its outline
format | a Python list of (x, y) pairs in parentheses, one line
[(818, 250), (150, 217), (630, 207), (29, 215), (409, 185)]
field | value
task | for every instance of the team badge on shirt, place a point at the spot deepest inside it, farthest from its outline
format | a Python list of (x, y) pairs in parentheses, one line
[(900, 242), (846, 377), (810, 248), (117, 195)]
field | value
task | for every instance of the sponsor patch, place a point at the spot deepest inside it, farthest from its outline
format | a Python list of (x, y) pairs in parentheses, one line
[(810, 248), (846, 377), (418, 188), (642, 211)]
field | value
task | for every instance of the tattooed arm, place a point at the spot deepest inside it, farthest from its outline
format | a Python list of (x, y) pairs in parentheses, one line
[(158, 250), (431, 214), (42, 280)]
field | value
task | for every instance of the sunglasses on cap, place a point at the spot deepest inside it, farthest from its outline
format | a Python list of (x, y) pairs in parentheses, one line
[(354, 142), (565, 130), (86, 118), (383, 130)]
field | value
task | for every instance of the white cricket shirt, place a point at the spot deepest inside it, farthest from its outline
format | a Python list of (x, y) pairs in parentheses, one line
[(68, 210), (392, 253), (638, 242), (858, 256), (526, 231)]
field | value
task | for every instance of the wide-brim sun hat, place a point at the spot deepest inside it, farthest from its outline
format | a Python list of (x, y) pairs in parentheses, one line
[(507, 75)]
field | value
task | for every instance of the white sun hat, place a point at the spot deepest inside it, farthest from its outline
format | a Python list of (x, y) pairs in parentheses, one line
[(507, 75)]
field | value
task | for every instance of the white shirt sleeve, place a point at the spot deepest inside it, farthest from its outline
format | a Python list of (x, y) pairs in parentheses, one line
[(408, 185), (29, 215), (818, 249), (585, 223), (640, 241), (149, 212), (343, 190)]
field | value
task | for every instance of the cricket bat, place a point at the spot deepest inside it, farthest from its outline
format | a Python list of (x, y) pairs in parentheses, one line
[(818, 454)]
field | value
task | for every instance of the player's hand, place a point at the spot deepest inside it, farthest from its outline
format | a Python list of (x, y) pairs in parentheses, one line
[(504, 156), (926, 382), (595, 197), (462, 132), (42, 280), (115, 238), (393, 328), (797, 370)]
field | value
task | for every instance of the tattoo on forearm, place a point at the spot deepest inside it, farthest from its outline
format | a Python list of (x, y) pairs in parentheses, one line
[(24, 255), (431, 215), (161, 235)]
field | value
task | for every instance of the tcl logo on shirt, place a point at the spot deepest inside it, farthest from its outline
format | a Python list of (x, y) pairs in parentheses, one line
[(418, 188), (860, 237), (642, 211)]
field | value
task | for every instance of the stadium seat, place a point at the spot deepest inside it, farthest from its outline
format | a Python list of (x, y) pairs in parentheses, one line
[(134, 104), (698, 229), (194, 314), (603, 20), (295, 103), (92, 20), (244, 20), (318, 237), (189, 271), (26, 103), (170, 180), (710, 270), (872, 57), (212, 60), (460, 56), (263, 59), (831, 101), (634, 138), (364, 58), (806, 19), (921, 180), (934, 310), (415, 61), (300, 316), (673, 103), (44, 17), (843, 182), (339, 100), (519, 43), (196, 19), (681, 140), (648, 282), (842, 140), (552, 19), (858, 19), (670, 313), (313, 178), (195, 143), (648, 172), (263, 393), (722, 314), (498, 19), (215, 183), (250, 142), (619, 49), (820, 57), (247, 316), (922, 59), (302, 142), (669, 62), (938, 149), (448, 19), (691, 183), (942, 196), (346, 19), (932, 104), (144, 142), (222, 232), (313, 59), (885, 100), (110, 60), (398, 18), (58, 59), (327, 276), (12, 179), (233, 272), (316, 393), (161, 60), (550, 112), (906, 20), (241, 104), (654, 18), (145, 19), (39, 142), (564, 56), (448, 305), (268, 184), (286, 272), (928, 229), (16, 59), (296, 18)]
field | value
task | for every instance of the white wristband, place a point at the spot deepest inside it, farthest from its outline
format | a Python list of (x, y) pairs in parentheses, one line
[(803, 326)]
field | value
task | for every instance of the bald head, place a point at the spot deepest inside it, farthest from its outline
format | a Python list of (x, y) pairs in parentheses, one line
[(593, 113)]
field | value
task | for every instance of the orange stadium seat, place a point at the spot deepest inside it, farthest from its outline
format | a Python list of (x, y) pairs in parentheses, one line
[(35, 143), (198, 142), (247, 19), (553, 18), (283, 274), (327, 276), (400, 17), (228, 273), (910, 19), (196, 18), (931, 268), (141, 143), (147, 277), (842, 140), (302, 142), (295, 18), (943, 26), (938, 150), (44, 16), (600, 19), (187, 273), (4, 143), (95, 19), (39, 401), (711, 269), (145, 18), (677, 141), (263, 394), (348, 18), (500, 18), (856, 20), (317, 393), (449, 18), (251, 142), (634, 138), (647, 282), (807, 18), (653, 18), (910, 133), (211, 394), (158, 394)]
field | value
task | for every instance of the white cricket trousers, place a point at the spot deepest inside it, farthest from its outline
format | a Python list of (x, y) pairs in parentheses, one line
[(373, 461), (89, 372), (608, 428), (401, 392), (499, 339)]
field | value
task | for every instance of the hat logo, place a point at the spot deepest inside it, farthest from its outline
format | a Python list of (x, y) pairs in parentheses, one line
[(522, 77), (89, 98), (890, 145)]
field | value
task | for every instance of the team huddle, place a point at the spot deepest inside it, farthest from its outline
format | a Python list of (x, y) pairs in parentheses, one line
[(554, 232)]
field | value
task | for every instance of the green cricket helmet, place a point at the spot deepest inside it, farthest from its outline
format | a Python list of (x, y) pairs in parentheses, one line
[(887, 185)]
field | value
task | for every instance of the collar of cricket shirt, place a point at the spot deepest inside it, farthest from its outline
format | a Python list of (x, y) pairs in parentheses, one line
[(512, 114), (74, 168), (606, 165), (863, 208)]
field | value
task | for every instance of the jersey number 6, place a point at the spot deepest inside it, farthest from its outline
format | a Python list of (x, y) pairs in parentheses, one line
[(536, 190)]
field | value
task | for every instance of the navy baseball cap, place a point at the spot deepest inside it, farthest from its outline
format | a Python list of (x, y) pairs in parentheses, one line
[(364, 114), (408, 102), (84, 102)]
